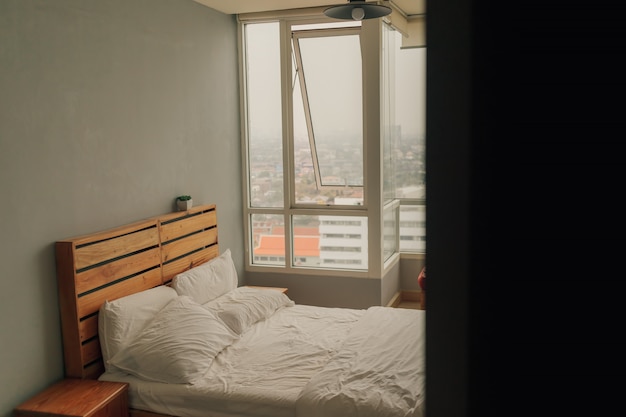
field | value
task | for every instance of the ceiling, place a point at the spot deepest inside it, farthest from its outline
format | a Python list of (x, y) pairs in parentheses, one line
[(409, 7)]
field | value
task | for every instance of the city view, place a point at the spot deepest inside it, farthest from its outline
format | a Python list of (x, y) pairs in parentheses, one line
[(333, 241), (326, 159)]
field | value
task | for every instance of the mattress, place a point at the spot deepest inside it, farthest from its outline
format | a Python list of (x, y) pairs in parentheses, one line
[(304, 361)]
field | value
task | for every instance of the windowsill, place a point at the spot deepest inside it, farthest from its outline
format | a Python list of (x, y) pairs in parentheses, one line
[(409, 255), (351, 273)]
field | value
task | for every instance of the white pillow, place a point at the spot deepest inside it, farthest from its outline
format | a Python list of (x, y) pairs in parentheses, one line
[(244, 306), (178, 346), (208, 281), (119, 321)]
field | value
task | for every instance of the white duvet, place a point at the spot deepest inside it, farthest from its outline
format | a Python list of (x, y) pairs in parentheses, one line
[(304, 361), (378, 371)]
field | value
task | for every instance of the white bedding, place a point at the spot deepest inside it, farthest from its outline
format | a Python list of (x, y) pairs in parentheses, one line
[(265, 372), (375, 373)]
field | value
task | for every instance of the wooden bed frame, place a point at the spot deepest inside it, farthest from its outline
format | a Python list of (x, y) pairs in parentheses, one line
[(117, 262)]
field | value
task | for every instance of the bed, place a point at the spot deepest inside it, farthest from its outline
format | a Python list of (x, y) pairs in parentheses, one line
[(157, 304)]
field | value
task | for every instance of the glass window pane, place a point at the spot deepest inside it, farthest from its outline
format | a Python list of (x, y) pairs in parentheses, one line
[(334, 242), (306, 241), (404, 119), (264, 122), (403, 139), (390, 241), (268, 239), (328, 127), (413, 229)]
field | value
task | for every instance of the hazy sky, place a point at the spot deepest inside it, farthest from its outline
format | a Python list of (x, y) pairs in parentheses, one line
[(264, 82)]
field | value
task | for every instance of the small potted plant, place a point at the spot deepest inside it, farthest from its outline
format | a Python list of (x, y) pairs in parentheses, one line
[(184, 202)]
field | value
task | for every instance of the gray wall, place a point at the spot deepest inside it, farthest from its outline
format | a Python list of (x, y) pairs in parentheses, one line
[(323, 290), (346, 292), (109, 109), (410, 268)]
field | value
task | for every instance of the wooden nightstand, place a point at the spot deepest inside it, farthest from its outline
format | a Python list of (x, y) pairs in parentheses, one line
[(281, 289), (78, 398)]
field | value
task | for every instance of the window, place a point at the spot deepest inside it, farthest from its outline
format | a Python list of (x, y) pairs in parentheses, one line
[(328, 127), (404, 144), (306, 145), (264, 119)]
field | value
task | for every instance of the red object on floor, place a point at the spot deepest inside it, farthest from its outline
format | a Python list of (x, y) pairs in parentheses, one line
[(421, 279)]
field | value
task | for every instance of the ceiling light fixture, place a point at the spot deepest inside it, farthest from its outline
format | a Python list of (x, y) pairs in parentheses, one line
[(357, 10)]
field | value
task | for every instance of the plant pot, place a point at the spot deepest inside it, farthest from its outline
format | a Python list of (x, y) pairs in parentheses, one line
[(184, 205)]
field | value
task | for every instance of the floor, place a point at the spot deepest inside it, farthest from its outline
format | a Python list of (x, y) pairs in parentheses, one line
[(409, 304), (407, 299)]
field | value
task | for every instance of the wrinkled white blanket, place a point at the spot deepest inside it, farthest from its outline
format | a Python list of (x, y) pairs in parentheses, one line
[(378, 371), (305, 361)]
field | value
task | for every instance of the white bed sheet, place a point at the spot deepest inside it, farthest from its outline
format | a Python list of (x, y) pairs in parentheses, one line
[(260, 375), (376, 373)]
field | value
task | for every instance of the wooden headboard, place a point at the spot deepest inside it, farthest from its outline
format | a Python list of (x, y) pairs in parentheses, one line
[(121, 261)]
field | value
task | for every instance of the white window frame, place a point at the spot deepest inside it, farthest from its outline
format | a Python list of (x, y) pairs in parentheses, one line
[(372, 176)]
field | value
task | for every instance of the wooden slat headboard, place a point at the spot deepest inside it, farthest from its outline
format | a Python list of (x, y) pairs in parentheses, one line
[(121, 261)]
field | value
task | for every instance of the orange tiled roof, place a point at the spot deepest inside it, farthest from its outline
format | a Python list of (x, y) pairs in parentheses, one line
[(274, 245)]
